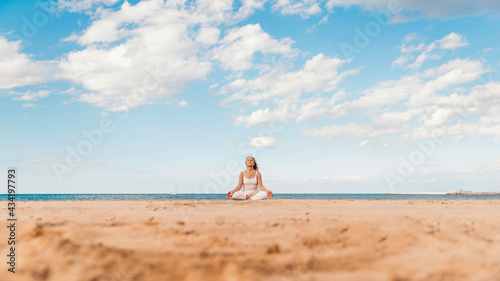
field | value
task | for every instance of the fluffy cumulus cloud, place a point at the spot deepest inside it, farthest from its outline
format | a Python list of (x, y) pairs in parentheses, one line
[(131, 55), (320, 74), (140, 53), (412, 9), (18, 69), (237, 48), (261, 142), (414, 55), (424, 105)]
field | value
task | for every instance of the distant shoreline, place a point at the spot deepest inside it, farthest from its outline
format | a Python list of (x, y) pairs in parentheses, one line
[(463, 192), (455, 192), (418, 193)]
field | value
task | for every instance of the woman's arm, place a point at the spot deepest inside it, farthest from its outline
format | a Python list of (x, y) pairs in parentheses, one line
[(238, 187), (259, 182), (240, 183)]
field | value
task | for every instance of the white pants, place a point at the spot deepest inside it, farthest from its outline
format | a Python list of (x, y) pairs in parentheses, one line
[(242, 195)]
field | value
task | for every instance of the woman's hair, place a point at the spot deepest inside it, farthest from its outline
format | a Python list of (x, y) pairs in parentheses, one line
[(255, 166)]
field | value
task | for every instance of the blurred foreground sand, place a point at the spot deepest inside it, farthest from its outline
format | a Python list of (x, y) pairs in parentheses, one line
[(395, 240)]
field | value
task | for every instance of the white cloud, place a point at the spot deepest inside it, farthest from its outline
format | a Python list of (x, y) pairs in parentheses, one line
[(412, 9), (257, 117), (311, 29), (419, 106), (182, 103), (18, 69), (451, 41), (410, 37), (383, 93), (222, 11), (145, 66), (154, 49), (323, 20), (313, 109), (402, 60), (460, 116), (318, 75), (351, 130), (208, 36), (26, 105), (82, 5), (284, 110), (238, 47), (30, 95), (260, 142), (304, 8), (455, 72)]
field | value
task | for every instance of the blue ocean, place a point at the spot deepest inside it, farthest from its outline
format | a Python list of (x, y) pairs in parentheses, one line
[(204, 196)]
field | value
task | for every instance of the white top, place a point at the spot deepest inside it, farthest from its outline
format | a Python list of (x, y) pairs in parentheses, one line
[(250, 184)]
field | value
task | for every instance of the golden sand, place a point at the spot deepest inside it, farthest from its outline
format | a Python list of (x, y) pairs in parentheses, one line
[(394, 240)]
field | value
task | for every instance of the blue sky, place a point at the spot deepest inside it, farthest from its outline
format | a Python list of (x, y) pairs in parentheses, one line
[(364, 96)]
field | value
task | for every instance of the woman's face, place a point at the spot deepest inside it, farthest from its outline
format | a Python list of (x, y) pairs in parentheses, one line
[(250, 162)]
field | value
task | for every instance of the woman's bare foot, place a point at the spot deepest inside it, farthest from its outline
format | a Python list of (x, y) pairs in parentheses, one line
[(251, 195)]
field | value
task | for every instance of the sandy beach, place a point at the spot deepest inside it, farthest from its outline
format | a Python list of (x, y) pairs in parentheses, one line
[(395, 240)]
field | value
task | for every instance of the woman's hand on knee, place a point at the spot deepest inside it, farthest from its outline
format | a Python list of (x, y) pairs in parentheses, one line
[(230, 194), (269, 193)]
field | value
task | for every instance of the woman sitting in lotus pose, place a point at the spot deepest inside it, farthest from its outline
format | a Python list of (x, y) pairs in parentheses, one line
[(251, 181)]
